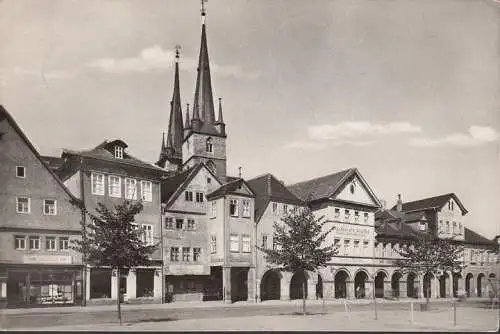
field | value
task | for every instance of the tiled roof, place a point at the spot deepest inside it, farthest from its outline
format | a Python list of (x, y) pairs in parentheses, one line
[(267, 188), (396, 230), (102, 152), (472, 237), (435, 202), (53, 162), (171, 184), (321, 187), (227, 188), (5, 115)]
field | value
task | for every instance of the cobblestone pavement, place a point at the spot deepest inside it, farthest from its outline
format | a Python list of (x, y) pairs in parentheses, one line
[(438, 319)]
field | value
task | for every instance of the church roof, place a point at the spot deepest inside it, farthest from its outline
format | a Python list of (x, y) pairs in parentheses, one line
[(436, 202), (267, 188)]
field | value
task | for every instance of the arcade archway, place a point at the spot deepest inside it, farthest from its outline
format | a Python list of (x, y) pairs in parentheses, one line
[(297, 287), (270, 286), (341, 284), (360, 284)]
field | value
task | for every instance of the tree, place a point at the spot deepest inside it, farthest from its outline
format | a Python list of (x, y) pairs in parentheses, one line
[(300, 245), (430, 254), (113, 240)]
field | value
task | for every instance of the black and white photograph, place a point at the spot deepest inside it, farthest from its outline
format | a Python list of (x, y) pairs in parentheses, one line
[(250, 165)]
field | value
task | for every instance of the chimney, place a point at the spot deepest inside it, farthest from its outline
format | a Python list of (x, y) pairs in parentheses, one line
[(399, 204)]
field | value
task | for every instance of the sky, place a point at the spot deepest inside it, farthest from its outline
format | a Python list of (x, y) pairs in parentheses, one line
[(406, 91)]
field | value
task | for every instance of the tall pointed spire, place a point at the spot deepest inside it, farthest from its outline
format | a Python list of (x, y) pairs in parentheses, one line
[(172, 151), (188, 122), (203, 98)]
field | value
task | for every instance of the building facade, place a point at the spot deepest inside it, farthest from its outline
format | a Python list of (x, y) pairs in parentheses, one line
[(108, 174), (40, 218)]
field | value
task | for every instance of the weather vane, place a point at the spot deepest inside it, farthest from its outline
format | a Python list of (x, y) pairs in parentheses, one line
[(177, 50), (203, 7)]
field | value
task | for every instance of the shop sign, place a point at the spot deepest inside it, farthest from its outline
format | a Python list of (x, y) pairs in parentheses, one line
[(193, 269), (47, 259), (351, 231)]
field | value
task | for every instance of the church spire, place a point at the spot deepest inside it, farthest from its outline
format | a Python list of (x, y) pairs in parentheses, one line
[(172, 151), (203, 98)]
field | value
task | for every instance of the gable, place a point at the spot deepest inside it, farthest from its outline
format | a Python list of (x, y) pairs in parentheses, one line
[(355, 191), (243, 190)]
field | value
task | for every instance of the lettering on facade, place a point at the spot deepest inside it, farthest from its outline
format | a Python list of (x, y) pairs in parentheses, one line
[(47, 259), (351, 231), (195, 269)]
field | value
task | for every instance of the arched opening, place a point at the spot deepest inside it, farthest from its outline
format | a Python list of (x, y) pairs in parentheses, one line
[(395, 284), (480, 285), (456, 278), (468, 280), (270, 286), (319, 288), (442, 285), (379, 284), (340, 284), (360, 284), (297, 285), (428, 285), (492, 286), (411, 290), (209, 145)]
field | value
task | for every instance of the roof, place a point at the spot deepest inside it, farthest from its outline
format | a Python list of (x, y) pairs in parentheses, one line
[(53, 162), (436, 202), (397, 230), (476, 238), (102, 152), (171, 185), (267, 188), (4, 114), (228, 188)]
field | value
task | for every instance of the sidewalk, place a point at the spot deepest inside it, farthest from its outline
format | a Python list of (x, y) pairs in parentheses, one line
[(214, 304)]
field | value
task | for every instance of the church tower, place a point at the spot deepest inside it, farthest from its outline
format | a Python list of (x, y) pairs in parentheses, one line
[(171, 150), (204, 136)]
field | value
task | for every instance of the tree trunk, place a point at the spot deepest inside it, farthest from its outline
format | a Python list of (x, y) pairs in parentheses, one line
[(304, 297), (118, 296)]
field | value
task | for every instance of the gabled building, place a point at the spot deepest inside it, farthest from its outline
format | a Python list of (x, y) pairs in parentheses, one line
[(443, 216), (40, 217), (109, 174)]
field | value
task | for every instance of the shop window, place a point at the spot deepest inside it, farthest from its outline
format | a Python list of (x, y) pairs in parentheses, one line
[(145, 283), (100, 283)]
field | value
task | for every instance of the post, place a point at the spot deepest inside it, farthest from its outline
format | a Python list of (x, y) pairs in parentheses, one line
[(454, 313), (412, 319), (346, 308), (119, 295)]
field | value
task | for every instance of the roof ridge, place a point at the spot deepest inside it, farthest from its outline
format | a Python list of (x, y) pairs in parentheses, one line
[(320, 177)]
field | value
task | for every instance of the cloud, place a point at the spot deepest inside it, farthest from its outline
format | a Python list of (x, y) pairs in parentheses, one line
[(477, 136), (156, 57), (357, 129), (320, 137)]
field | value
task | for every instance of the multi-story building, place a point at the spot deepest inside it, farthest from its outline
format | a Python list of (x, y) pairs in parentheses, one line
[(108, 174), (39, 219)]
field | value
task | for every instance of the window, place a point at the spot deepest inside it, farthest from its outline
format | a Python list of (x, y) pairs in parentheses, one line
[(337, 213), (452, 205), (352, 188), (22, 204), (191, 225), (264, 241), (199, 197), (356, 215), (454, 228), (186, 254), (213, 244), (20, 242), (245, 241), (447, 227), (275, 243), (246, 208), (366, 216), (233, 208), (383, 248), (209, 180), (188, 196), (196, 254), (50, 243), (209, 145), (365, 244), (214, 209), (178, 223), (130, 189), (285, 208), (147, 234), (441, 226), (147, 191), (114, 186), (174, 254), (347, 243), (97, 184), (234, 243), (49, 207), (347, 214), (63, 243), (275, 207), (118, 152), (169, 223), (34, 242), (21, 171), (336, 242), (356, 247)]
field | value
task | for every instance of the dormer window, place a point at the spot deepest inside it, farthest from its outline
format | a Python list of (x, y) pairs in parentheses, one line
[(118, 152), (209, 145)]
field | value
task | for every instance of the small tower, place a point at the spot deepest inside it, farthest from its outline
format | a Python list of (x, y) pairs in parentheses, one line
[(205, 141), (171, 151)]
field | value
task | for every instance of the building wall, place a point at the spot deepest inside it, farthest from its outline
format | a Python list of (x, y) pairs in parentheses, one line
[(447, 215), (194, 151)]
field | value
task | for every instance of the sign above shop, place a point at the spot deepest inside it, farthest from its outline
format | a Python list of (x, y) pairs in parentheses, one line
[(47, 259), (351, 231), (192, 269)]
